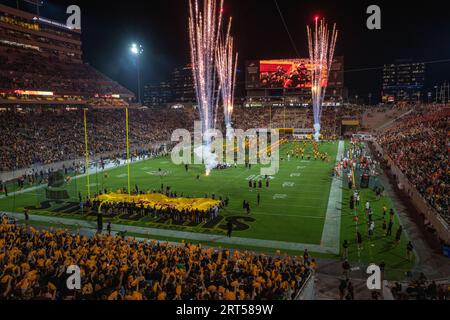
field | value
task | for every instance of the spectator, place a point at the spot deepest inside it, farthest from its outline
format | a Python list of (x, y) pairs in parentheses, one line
[(138, 270)]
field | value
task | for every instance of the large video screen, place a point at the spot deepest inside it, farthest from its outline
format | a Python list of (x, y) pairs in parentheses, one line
[(284, 73), (287, 74), (290, 74)]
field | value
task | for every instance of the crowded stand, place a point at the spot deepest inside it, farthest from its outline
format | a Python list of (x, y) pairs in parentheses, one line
[(126, 269), (27, 70), (98, 180), (421, 289), (49, 135), (418, 144)]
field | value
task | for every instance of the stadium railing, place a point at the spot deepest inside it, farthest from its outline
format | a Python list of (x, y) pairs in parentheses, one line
[(306, 292)]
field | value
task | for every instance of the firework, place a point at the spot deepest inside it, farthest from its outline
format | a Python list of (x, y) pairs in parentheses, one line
[(226, 62), (204, 30), (322, 43)]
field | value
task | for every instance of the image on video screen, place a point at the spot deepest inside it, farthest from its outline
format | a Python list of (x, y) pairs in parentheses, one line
[(286, 73)]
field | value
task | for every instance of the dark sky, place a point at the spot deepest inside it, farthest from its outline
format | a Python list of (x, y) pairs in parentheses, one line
[(410, 29)]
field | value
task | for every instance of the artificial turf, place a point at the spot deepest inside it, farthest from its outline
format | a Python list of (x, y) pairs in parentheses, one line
[(292, 208)]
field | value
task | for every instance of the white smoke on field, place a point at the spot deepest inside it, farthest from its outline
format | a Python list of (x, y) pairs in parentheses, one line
[(209, 158), (230, 133), (317, 129)]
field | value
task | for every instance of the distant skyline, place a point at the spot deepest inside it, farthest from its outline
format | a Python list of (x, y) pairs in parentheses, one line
[(410, 30)]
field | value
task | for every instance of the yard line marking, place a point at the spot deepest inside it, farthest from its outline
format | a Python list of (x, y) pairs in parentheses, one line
[(289, 215), (274, 205), (109, 167), (288, 184), (28, 190)]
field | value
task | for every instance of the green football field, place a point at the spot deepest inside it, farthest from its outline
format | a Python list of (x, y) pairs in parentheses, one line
[(292, 213)]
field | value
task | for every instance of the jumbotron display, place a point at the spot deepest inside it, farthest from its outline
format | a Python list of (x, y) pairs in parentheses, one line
[(285, 73), (290, 74)]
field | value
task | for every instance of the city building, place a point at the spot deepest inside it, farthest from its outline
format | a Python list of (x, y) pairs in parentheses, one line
[(403, 82), (179, 89), (182, 83), (151, 95), (158, 95)]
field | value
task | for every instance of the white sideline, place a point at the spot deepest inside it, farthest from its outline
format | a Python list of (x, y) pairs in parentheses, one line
[(331, 234)]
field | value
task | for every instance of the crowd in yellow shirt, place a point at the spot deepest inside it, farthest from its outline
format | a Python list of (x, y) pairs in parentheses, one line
[(33, 265)]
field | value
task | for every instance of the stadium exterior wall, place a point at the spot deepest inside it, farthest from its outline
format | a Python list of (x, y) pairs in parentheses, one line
[(438, 223)]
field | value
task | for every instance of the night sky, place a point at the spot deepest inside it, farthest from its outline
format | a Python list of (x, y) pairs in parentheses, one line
[(413, 30)]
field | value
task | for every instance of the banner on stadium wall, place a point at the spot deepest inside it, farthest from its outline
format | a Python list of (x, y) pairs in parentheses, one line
[(107, 96), (303, 136), (28, 93), (304, 131), (363, 137), (352, 123), (34, 93), (286, 130)]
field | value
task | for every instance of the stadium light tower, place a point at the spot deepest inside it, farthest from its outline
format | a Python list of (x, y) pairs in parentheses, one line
[(137, 50)]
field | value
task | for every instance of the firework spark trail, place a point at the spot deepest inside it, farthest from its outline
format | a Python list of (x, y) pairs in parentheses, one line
[(204, 30), (322, 44), (226, 70)]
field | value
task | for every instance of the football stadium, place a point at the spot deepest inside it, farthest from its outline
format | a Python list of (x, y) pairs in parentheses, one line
[(239, 179)]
